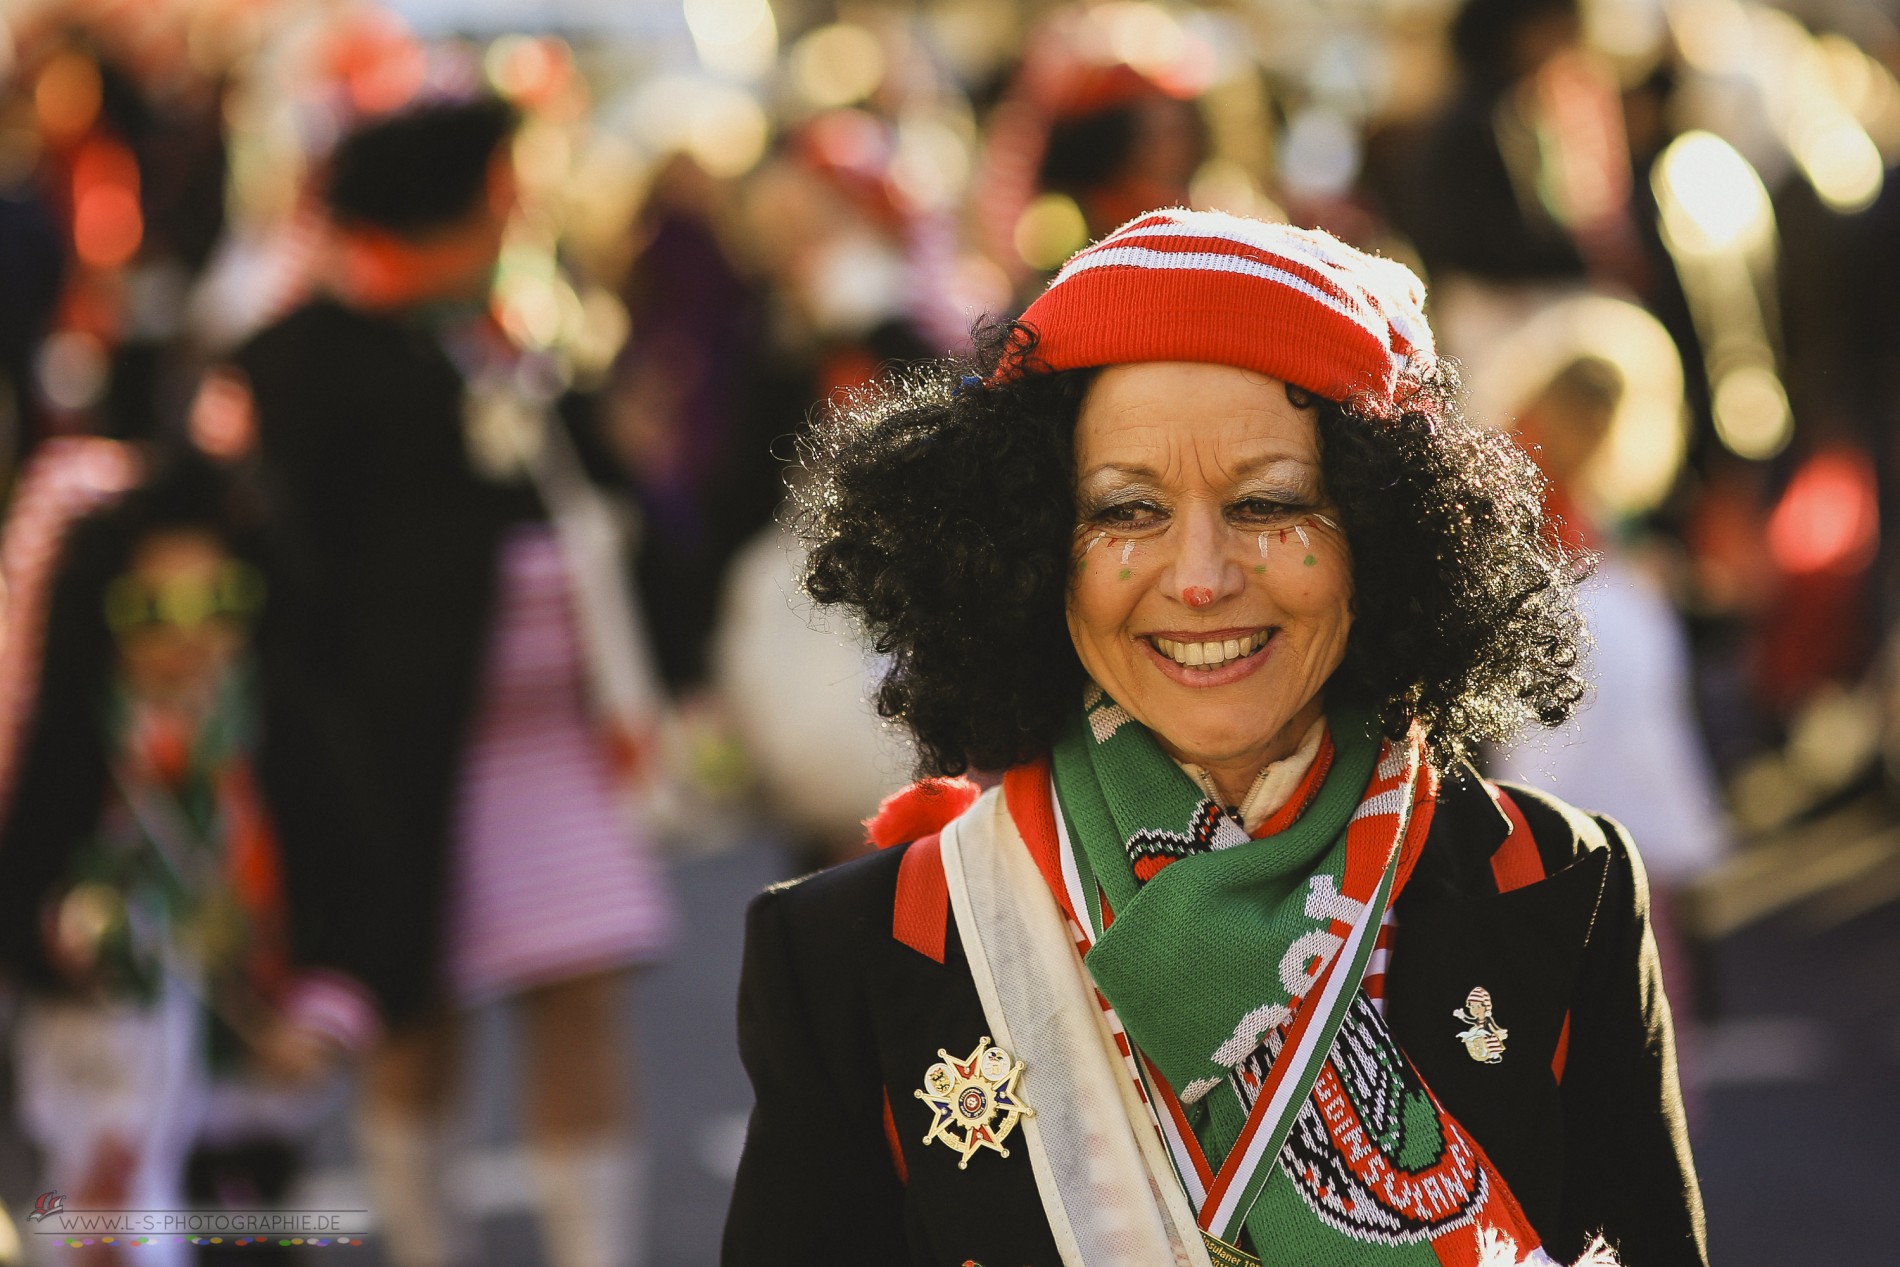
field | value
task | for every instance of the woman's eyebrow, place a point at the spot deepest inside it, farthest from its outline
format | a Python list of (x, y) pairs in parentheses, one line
[(1119, 468), (1242, 469), (1254, 465)]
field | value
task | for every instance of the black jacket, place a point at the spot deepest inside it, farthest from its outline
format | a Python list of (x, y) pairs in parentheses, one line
[(383, 547), (838, 1021)]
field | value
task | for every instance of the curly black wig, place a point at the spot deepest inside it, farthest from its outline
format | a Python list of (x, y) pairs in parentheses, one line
[(940, 508)]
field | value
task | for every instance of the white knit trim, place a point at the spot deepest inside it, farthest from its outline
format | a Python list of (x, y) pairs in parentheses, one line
[(1391, 801)]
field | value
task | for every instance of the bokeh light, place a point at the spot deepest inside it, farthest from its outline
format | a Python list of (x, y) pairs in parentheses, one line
[(1712, 201), (67, 94), (107, 222), (1051, 229), (738, 38), (837, 65), (722, 126), (72, 370), (1840, 160), (932, 164), (1828, 520), (1751, 412)]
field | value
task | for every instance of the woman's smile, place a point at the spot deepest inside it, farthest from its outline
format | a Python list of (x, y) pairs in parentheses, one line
[(1213, 658)]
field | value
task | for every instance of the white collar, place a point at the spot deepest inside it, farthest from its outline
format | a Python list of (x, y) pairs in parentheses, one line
[(1273, 786)]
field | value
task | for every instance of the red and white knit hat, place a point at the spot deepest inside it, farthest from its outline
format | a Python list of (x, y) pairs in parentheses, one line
[(1299, 304)]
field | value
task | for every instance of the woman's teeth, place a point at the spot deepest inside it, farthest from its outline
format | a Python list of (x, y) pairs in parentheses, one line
[(1209, 655)]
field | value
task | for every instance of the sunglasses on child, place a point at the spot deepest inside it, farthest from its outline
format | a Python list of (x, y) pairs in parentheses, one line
[(236, 592)]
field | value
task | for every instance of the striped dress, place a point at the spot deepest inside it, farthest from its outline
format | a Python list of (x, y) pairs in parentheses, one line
[(550, 878)]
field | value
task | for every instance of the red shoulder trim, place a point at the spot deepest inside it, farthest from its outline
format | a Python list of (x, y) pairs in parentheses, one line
[(924, 807), (1032, 809), (1516, 865), (1517, 862), (921, 914)]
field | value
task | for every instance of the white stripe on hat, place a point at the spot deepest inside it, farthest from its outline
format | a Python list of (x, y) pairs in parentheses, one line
[(1189, 261), (1329, 271)]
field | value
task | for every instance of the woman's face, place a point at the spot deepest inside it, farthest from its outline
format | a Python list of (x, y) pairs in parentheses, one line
[(1211, 590)]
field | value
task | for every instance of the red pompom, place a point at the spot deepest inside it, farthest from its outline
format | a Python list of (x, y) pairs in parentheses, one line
[(924, 807)]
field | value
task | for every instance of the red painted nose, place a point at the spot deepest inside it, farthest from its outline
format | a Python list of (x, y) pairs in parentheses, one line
[(1197, 596)]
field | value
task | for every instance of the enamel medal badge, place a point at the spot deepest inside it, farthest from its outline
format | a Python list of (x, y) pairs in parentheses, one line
[(973, 1101)]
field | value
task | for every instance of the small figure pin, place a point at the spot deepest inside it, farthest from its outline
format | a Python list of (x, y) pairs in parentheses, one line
[(969, 1095), (1484, 1040)]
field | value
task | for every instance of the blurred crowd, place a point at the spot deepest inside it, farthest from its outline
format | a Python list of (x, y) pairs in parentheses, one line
[(395, 413)]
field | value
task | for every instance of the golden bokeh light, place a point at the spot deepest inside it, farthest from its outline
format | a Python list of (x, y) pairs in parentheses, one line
[(1751, 412), (837, 65), (738, 38), (1049, 231)]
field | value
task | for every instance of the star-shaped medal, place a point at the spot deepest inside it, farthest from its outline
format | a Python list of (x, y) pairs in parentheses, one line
[(973, 1101)]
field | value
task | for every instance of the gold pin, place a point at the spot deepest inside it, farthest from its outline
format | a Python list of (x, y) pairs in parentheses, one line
[(973, 1101), (1484, 1040)]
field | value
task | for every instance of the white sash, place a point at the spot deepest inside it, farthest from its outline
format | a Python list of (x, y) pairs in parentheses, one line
[(1106, 1183)]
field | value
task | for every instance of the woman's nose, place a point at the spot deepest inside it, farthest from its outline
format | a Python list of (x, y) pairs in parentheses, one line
[(1203, 574)]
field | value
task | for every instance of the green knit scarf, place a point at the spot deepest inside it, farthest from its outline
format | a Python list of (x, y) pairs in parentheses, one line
[(1207, 963)]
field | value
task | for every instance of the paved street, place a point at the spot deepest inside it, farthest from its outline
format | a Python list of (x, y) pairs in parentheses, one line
[(1795, 1123)]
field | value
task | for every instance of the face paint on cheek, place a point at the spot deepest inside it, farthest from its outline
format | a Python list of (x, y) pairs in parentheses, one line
[(1082, 564)]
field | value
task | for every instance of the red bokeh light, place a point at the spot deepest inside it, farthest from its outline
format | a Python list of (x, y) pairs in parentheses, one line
[(107, 222)]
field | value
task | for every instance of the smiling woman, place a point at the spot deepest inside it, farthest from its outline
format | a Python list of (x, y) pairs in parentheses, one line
[(1202, 557)]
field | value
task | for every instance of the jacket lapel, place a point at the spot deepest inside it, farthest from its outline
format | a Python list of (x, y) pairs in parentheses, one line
[(989, 1212), (1456, 933)]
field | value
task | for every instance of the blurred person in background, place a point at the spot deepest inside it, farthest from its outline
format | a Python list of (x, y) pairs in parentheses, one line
[(458, 694), (1120, 143), (1593, 388), (1525, 177), (682, 414), (142, 907), (1082, 141)]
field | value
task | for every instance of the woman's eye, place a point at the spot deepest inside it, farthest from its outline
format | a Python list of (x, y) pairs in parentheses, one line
[(1262, 509), (1127, 514)]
